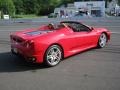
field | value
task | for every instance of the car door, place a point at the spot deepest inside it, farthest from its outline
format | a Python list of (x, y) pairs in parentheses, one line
[(85, 39), (83, 36)]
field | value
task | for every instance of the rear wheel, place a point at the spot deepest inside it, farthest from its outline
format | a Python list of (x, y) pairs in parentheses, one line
[(102, 40), (53, 55)]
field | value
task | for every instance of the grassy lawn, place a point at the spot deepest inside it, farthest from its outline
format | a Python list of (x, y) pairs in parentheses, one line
[(26, 16)]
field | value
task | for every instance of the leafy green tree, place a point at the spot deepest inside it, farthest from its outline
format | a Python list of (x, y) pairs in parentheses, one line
[(56, 3), (65, 2), (43, 7), (19, 9), (29, 6), (7, 7), (47, 6), (119, 2)]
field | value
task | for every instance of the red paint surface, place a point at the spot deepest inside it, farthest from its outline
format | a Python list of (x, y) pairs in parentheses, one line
[(71, 42)]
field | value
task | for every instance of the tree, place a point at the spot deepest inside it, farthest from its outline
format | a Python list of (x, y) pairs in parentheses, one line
[(119, 2), (65, 2), (29, 6), (18, 6), (43, 7), (7, 7), (56, 3), (47, 6)]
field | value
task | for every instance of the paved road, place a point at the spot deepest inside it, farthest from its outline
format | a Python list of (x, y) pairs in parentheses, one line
[(96, 69)]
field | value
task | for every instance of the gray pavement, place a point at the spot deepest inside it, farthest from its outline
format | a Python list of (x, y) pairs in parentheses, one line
[(95, 69)]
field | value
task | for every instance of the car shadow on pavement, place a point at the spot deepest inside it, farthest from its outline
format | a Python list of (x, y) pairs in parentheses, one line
[(12, 63)]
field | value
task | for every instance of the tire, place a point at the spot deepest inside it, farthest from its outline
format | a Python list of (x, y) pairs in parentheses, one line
[(102, 40), (53, 55)]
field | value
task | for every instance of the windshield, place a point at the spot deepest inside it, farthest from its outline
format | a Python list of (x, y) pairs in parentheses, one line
[(76, 26)]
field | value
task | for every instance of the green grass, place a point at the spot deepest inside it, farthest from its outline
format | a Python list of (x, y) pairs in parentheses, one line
[(26, 16)]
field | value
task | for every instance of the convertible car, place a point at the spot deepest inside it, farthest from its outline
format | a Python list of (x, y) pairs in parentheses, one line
[(51, 43)]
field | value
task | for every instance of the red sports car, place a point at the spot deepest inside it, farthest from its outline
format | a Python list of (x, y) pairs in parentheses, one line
[(51, 43)]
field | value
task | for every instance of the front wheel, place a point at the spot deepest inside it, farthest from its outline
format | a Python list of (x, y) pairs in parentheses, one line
[(102, 40), (53, 55)]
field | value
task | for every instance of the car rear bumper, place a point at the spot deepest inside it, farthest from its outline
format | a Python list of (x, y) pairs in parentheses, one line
[(27, 54)]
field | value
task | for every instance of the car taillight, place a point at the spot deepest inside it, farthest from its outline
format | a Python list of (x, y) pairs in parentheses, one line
[(29, 44)]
